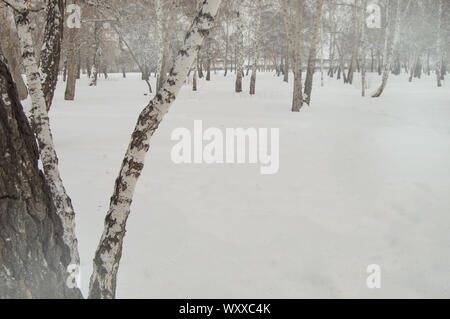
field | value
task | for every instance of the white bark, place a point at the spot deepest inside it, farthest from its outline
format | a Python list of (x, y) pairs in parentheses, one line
[(109, 251), (41, 125), (165, 30), (94, 76)]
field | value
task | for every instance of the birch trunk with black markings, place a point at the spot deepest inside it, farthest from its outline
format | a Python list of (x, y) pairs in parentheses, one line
[(41, 126), (51, 48), (109, 251)]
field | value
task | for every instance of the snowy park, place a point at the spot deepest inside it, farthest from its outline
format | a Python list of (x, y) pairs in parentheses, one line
[(207, 149), (361, 181)]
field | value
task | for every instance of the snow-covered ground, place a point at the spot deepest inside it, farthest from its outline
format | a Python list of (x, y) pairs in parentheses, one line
[(361, 181)]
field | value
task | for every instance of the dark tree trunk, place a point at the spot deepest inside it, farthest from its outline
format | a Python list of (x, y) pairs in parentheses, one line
[(194, 81), (65, 71), (72, 62), (50, 53), (313, 52), (88, 67), (79, 65), (11, 50), (286, 68), (200, 68), (33, 255), (208, 70)]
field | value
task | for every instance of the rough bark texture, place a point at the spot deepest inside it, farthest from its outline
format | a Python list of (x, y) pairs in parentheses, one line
[(51, 48), (41, 125), (33, 255), (313, 52), (109, 251), (11, 50)]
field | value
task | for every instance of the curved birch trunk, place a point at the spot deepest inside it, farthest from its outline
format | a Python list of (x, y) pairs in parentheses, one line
[(109, 251), (392, 35), (165, 31)]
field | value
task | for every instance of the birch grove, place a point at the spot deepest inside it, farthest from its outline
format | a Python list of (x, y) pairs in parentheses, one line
[(293, 49)]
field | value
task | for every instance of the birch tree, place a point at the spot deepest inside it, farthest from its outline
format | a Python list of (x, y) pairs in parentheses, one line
[(391, 39), (313, 51), (41, 124), (51, 48), (257, 43), (297, 101), (289, 29), (165, 29), (109, 251), (72, 60), (240, 51)]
